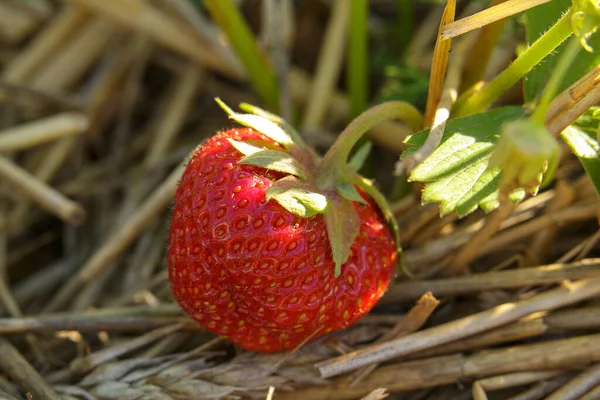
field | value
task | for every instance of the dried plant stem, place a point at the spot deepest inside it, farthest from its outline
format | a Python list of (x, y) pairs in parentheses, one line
[(120, 240), (462, 327), (49, 166), (593, 394), (580, 385), (517, 379), (469, 252), (549, 355), (15, 25), (91, 361), (488, 16), (441, 53), (75, 57), (413, 321), (425, 34), (16, 366), (328, 67), (576, 92), (417, 220), (177, 107), (542, 241), (543, 388), (446, 97), (565, 119), (125, 319), (43, 130), (487, 39), (26, 62), (576, 212), (523, 329), (144, 18), (510, 279), (47, 197)]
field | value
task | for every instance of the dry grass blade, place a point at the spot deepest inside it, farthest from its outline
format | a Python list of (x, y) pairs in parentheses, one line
[(377, 394), (549, 355), (460, 263), (121, 239), (488, 16), (143, 17), (47, 197), (462, 327), (516, 379), (91, 361), (573, 101), (43, 45), (412, 322), (41, 131), (447, 96), (16, 366), (593, 394), (328, 69), (441, 52), (176, 108), (542, 275), (580, 385), (137, 319)]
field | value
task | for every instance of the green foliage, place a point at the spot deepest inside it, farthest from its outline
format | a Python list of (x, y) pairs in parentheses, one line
[(537, 21), (587, 149), (456, 173)]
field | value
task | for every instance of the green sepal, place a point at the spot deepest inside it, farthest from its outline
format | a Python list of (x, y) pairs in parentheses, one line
[(260, 124), (274, 160), (343, 225), (358, 159), (371, 190), (347, 190), (287, 128), (527, 155), (297, 197)]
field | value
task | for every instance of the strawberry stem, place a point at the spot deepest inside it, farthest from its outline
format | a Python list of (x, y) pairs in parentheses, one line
[(334, 162)]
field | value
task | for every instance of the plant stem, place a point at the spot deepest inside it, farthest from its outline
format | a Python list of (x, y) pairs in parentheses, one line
[(560, 70), (549, 41), (358, 57), (259, 71), (334, 161)]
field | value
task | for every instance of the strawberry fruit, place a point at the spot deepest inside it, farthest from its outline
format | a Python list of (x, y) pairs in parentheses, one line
[(271, 246)]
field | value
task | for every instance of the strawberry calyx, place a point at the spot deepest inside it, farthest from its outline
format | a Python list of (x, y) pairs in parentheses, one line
[(327, 186)]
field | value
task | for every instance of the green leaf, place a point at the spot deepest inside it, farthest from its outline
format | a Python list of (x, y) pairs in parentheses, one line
[(270, 159), (589, 122), (343, 226), (260, 124), (537, 21), (587, 149), (358, 159), (456, 173), (297, 197)]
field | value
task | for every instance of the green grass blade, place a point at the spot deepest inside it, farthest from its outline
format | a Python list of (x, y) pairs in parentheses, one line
[(358, 67), (259, 70)]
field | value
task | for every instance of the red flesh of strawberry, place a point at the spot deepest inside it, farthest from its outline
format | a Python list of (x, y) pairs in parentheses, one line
[(248, 269)]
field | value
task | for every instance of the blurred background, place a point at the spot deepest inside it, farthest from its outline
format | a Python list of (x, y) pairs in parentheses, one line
[(102, 100)]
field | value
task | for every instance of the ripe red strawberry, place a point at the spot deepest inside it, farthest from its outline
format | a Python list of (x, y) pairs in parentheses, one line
[(245, 266)]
